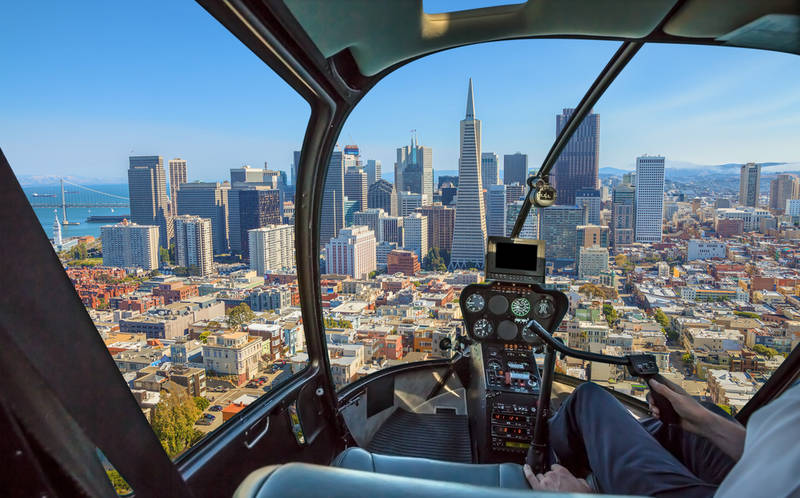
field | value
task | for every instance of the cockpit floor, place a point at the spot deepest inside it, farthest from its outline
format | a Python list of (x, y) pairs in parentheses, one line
[(442, 436)]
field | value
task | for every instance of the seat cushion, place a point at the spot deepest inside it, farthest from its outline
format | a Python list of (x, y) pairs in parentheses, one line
[(499, 475)]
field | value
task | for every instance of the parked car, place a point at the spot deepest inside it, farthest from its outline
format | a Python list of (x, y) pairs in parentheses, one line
[(215, 408), (203, 421), (209, 416)]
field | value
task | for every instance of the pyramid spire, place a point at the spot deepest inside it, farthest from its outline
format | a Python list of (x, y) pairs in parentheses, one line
[(470, 103)]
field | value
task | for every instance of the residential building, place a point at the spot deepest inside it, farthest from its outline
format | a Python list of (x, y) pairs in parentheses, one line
[(207, 200), (592, 261), (577, 167), (649, 199), (784, 187), (515, 168), (589, 199), (352, 252), (177, 177), (271, 248), (530, 229), (233, 353), (490, 169), (792, 207), (127, 245), (147, 190), (193, 245), (415, 234), (702, 249), (469, 232), (558, 228), (749, 184)]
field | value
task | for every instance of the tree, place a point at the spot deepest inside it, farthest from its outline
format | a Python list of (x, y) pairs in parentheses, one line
[(163, 253), (201, 403), (661, 318), (433, 261), (761, 349), (746, 314), (687, 357), (620, 260), (610, 313), (121, 486), (173, 423), (240, 315)]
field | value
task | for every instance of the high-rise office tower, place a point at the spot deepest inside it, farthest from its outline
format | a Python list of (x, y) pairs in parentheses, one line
[(246, 178), (589, 198), (489, 169), (351, 157), (407, 202), (127, 245), (373, 169), (440, 226), (445, 180), (355, 187), (258, 207), (382, 195), (295, 165), (370, 218), (193, 246), (622, 215), (781, 189), (391, 229), (530, 229), (208, 200), (515, 192), (558, 228), (271, 248), (350, 210), (147, 190), (496, 210), (469, 233), (177, 176), (413, 171), (415, 234), (649, 204), (332, 218), (515, 168), (449, 194), (590, 236), (750, 184), (352, 252), (579, 163)]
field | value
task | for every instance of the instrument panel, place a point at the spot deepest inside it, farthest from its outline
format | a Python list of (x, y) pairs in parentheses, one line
[(498, 311)]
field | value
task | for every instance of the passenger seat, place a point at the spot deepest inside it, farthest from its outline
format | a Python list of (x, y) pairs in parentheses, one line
[(496, 475)]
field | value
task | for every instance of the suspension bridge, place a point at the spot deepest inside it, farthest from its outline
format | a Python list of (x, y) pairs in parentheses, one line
[(73, 195)]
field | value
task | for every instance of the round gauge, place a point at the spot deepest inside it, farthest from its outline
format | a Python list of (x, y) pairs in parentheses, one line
[(520, 306), (528, 335), (507, 330), (544, 308), (494, 365), (498, 304), (474, 303), (482, 329)]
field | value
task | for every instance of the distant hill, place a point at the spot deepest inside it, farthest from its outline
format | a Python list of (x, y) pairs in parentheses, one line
[(44, 180), (609, 171)]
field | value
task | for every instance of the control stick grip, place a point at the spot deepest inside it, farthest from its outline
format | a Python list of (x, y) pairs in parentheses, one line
[(666, 412)]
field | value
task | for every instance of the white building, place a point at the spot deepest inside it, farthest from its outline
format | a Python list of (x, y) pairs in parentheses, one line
[(592, 261), (128, 245), (793, 207), (496, 210), (649, 198), (194, 245), (415, 234), (701, 249), (271, 248), (751, 217), (352, 252), (233, 353), (408, 201)]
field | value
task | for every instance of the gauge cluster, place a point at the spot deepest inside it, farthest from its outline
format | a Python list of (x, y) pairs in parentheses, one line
[(498, 312)]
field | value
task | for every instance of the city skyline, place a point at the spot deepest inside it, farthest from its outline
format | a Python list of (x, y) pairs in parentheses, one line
[(706, 113)]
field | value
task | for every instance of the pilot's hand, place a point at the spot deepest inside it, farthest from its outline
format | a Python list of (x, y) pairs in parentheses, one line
[(557, 479), (693, 415)]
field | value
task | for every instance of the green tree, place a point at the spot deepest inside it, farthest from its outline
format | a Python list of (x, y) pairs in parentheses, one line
[(240, 315), (433, 261), (203, 337), (761, 349), (201, 403), (661, 318), (610, 313), (687, 357), (121, 486), (173, 423), (746, 314), (163, 253)]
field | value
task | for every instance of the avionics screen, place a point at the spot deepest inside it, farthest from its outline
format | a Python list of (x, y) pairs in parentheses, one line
[(515, 257)]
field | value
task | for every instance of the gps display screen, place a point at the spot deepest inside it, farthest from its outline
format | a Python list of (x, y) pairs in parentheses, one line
[(517, 257)]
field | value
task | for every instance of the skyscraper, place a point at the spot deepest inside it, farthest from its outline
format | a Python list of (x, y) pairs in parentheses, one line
[(258, 207), (351, 252), (371, 219), (128, 245), (749, 184), (332, 218), (208, 200), (271, 248), (177, 176), (193, 246), (558, 228), (295, 165), (413, 171), (355, 187), (469, 234), (373, 170), (589, 199), (622, 215), (245, 178), (407, 202), (649, 198), (391, 229), (415, 234), (440, 226), (489, 169), (781, 189), (530, 229), (147, 190), (382, 195), (515, 168), (496, 210), (578, 165)]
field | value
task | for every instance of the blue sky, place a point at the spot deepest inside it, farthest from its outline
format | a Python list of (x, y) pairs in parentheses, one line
[(86, 84)]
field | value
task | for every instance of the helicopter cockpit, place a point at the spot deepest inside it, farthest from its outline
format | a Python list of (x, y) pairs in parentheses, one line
[(438, 410)]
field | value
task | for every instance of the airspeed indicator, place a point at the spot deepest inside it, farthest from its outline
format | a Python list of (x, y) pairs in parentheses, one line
[(521, 307)]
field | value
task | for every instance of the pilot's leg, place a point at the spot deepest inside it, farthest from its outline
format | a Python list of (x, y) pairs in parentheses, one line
[(593, 432)]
